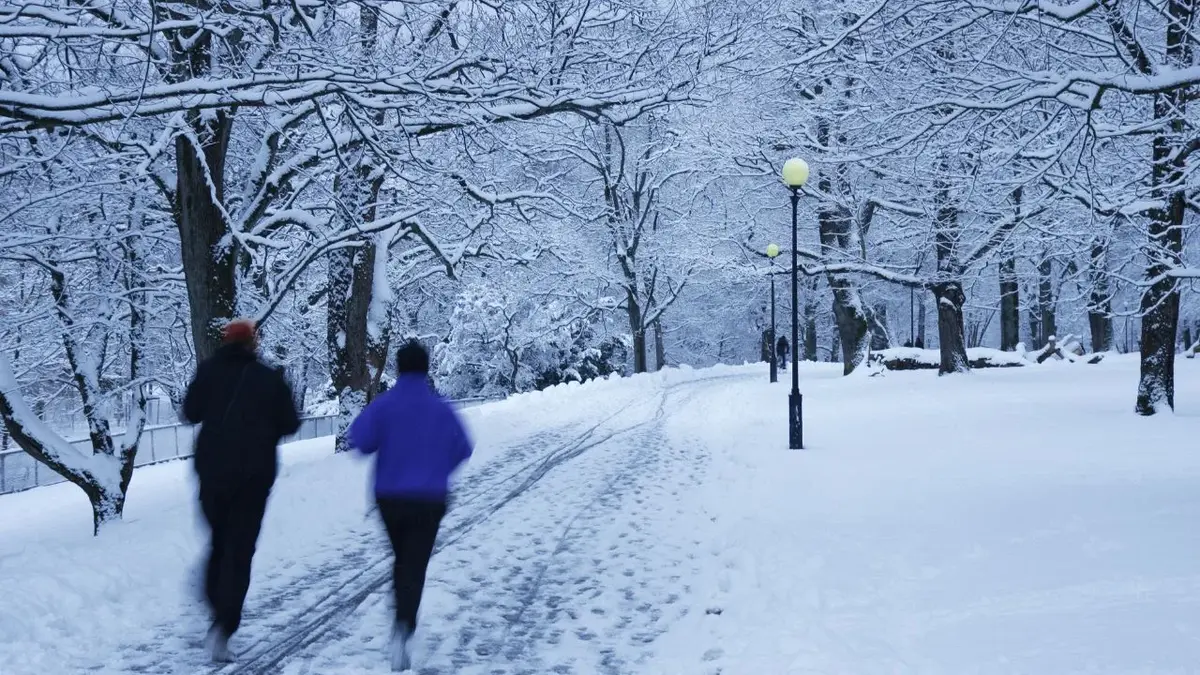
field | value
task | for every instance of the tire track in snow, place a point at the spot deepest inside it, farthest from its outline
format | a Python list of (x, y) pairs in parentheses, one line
[(537, 597), (316, 620), (290, 604)]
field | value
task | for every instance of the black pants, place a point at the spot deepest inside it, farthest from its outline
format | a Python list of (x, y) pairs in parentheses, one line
[(412, 526), (234, 512)]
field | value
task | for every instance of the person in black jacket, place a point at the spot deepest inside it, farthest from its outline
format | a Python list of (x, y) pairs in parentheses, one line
[(782, 351), (244, 408)]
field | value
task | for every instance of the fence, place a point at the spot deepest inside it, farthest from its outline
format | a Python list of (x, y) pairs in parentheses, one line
[(163, 443), (160, 443)]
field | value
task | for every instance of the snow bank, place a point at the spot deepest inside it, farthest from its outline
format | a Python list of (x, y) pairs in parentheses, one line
[(911, 358)]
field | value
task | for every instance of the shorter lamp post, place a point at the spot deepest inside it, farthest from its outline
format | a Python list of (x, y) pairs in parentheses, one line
[(795, 175), (772, 253)]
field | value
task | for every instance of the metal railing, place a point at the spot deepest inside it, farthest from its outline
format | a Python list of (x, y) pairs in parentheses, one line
[(161, 443)]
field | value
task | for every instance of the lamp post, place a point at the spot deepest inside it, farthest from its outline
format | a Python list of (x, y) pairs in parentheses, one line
[(772, 253), (795, 175)]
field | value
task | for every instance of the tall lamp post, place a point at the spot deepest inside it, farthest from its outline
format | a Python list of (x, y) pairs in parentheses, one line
[(795, 175), (772, 253)]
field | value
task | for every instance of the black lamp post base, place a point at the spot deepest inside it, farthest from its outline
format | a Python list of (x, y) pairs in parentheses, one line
[(796, 421), (774, 371)]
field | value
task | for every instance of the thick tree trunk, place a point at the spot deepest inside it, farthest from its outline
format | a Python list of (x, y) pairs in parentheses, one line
[(355, 354), (1010, 302), (107, 507), (208, 269), (950, 299), (1160, 302), (850, 315), (1160, 320), (854, 334), (349, 298), (1010, 312), (948, 292), (638, 331)]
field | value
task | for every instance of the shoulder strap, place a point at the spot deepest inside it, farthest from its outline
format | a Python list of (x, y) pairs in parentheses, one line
[(237, 389)]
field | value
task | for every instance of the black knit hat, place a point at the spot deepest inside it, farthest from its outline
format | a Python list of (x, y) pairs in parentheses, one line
[(412, 358)]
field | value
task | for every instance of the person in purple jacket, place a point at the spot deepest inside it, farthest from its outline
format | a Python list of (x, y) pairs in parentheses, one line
[(418, 441)]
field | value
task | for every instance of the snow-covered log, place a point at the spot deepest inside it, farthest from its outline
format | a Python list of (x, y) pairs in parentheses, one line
[(910, 358)]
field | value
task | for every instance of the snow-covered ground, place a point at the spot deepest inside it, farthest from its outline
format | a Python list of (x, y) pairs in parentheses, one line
[(1009, 521)]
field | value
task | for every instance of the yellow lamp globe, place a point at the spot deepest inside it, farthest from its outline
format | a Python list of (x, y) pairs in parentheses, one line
[(795, 173), (772, 250)]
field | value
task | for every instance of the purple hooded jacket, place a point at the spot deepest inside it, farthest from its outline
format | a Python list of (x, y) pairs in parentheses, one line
[(417, 437)]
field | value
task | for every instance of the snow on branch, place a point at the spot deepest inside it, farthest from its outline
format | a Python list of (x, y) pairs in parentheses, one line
[(1068, 11), (39, 440)]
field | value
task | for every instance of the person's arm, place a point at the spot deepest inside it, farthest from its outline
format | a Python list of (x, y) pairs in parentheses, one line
[(197, 397), (363, 433)]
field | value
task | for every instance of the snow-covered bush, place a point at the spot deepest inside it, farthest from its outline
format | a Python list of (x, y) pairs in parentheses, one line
[(502, 343)]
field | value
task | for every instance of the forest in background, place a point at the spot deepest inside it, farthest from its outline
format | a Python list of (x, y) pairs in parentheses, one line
[(555, 190)]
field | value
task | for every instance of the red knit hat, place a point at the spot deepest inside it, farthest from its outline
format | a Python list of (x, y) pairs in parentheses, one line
[(239, 332)]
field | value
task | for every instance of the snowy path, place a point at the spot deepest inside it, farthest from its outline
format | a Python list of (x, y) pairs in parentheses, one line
[(567, 565), (295, 602)]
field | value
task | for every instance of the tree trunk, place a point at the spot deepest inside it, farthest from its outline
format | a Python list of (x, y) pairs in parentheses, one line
[(948, 292), (1010, 301), (637, 329), (881, 337), (1010, 312), (640, 361), (660, 350), (950, 299), (920, 343), (853, 331), (1160, 301), (810, 320), (349, 298), (208, 269), (1160, 320), (854, 334), (1100, 300), (107, 507), (1046, 319)]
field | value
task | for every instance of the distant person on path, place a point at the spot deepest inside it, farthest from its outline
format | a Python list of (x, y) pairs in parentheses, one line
[(781, 352), (418, 441), (244, 407)]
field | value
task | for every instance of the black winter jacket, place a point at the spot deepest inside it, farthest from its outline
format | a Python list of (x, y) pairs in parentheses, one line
[(244, 408)]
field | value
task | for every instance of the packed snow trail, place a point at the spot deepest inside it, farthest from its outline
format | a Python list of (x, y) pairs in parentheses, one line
[(569, 558), (287, 615), (285, 619)]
